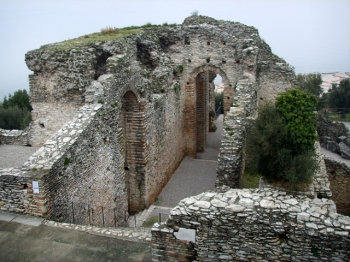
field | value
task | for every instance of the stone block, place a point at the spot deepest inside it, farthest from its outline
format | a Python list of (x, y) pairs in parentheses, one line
[(344, 150), (332, 146)]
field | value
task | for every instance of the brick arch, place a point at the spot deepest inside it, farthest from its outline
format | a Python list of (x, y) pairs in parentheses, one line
[(132, 119), (197, 106)]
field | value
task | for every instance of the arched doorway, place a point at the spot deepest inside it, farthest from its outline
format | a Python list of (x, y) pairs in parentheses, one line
[(200, 106), (132, 122)]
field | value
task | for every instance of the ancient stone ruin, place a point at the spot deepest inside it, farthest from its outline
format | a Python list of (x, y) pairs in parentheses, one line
[(115, 115)]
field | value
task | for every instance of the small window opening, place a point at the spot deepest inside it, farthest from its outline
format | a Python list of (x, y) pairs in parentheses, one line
[(208, 43), (208, 59), (189, 60)]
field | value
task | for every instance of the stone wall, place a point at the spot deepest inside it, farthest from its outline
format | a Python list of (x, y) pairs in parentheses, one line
[(47, 119), (339, 178), (14, 137), (82, 165), (255, 225), (231, 157), (13, 189)]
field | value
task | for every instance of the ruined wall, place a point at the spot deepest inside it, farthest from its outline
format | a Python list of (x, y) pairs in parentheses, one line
[(57, 86), (274, 75), (339, 178), (82, 166), (14, 137), (255, 225), (13, 189), (231, 157), (159, 66)]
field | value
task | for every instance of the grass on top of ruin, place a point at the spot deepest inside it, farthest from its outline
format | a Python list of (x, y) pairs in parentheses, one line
[(103, 36), (106, 34)]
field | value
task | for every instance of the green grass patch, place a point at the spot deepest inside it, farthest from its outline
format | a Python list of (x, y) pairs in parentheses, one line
[(249, 180), (150, 221), (106, 35), (339, 117)]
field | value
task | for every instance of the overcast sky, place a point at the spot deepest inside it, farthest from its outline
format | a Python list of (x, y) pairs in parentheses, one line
[(312, 35)]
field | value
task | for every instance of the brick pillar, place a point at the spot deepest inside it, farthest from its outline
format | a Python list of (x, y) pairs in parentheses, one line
[(133, 118)]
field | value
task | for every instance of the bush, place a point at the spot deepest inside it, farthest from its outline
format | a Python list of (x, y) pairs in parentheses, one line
[(269, 149), (109, 30), (298, 110), (14, 118), (15, 111)]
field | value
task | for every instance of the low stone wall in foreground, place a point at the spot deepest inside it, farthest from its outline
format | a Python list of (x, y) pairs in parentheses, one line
[(13, 189), (254, 225)]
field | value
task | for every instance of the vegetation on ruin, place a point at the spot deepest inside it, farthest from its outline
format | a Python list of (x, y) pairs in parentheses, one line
[(280, 143), (15, 111), (106, 34), (298, 111)]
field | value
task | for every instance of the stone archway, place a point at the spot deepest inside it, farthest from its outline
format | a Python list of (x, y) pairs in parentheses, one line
[(133, 145), (199, 95)]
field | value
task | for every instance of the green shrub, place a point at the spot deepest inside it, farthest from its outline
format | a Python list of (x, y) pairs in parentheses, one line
[(14, 118), (270, 153), (298, 108), (66, 161)]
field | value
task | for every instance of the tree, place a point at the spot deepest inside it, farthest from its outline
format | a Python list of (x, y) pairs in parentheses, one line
[(279, 145), (339, 96), (15, 111), (20, 99), (310, 83)]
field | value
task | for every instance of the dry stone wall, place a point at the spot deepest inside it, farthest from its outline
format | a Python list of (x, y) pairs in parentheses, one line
[(255, 225), (79, 167), (14, 137), (231, 157), (13, 189), (339, 178)]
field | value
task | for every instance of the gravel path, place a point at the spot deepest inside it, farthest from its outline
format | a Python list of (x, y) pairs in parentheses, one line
[(15, 156), (194, 176)]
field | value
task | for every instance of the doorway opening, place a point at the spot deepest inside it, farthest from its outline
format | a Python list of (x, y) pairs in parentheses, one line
[(200, 107)]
